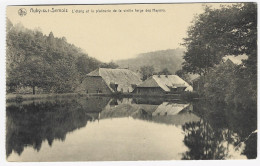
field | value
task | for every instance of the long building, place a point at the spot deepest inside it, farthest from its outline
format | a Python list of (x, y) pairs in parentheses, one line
[(107, 81)]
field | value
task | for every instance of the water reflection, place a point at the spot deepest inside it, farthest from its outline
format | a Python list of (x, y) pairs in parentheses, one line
[(161, 112), (31, 124), (220, 131), (206, 131)]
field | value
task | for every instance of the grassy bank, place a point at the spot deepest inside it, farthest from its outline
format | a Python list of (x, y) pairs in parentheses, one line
[(26, 97)]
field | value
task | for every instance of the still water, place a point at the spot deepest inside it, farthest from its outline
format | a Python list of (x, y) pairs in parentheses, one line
[(105, 129)]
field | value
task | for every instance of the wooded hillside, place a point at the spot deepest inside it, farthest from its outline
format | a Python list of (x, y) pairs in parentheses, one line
[(171, 59), (44, 62)]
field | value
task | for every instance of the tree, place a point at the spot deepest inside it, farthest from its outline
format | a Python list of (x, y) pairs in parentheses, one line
[(220, 82), (184, 75), (110, 65), (32, 73), (165, 71), (146, 72), (230, 30), (85, 65), (66, 76)]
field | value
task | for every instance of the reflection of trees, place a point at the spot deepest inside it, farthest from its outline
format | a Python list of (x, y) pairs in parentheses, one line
[(31, 124), (203, 142), (251, 147), (220, 126), (244, 122), (149, 100)]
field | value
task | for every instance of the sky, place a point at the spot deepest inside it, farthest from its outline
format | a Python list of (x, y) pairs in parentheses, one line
[(111, 36)]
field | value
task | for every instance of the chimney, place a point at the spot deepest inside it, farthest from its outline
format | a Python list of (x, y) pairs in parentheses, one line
[(133, 86)]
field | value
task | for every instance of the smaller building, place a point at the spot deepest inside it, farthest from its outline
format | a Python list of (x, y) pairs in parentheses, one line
[(162, 84)]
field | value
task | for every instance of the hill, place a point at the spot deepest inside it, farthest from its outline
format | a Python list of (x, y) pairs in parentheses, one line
[(171, 59)]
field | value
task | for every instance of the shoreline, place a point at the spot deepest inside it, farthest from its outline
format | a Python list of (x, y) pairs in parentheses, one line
[(27, 97)]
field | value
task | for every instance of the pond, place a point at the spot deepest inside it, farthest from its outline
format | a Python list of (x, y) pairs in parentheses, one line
[(127, 129)]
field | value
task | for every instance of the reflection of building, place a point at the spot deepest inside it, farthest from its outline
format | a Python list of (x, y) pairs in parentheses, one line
[(107, 81), (163, 84), (175, 114), (169, 109), (93, 105), (167, 113)]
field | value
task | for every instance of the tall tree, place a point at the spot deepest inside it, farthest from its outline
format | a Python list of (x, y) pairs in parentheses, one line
[(32, 73), (230, 30)]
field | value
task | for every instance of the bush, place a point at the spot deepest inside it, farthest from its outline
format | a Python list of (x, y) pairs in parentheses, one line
[(189, 96), (18, 98)]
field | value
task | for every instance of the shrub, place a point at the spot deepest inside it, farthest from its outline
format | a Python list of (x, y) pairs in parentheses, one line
[(18, 98), (189, 96)]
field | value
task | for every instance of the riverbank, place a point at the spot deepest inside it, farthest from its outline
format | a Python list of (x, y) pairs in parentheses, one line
[(26, 97)]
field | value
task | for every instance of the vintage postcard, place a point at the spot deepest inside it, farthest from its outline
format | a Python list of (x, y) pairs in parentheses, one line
[(131, 82)]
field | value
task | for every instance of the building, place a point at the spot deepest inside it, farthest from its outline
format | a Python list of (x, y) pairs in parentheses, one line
[(163, 84), (107, 81)]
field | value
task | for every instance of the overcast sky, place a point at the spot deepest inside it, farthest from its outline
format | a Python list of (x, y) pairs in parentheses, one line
[(114, 36)]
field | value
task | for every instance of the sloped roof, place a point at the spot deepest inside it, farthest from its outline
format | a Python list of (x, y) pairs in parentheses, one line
[(236, 59), (123, 77), (150, 82), (165, 82), (169, 108), (94, 73), (177, 120)]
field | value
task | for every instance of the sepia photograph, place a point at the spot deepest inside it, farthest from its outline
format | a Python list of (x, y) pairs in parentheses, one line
[(131, 82)]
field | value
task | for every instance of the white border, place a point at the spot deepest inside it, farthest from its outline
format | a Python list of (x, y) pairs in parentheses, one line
[(3, 161)]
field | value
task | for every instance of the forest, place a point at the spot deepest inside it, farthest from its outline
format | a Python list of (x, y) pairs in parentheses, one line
[(38, 63)]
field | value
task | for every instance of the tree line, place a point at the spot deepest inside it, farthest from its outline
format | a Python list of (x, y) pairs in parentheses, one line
[(45, 62), (214, 34)]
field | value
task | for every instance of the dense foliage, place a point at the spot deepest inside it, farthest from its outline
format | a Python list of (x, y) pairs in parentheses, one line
[(228, 83), (146, 72), (45, 62), (184, 75), (230, 30), (164, 71)]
